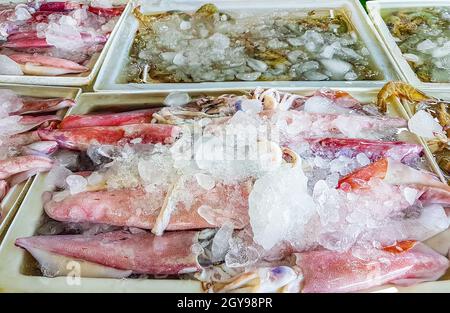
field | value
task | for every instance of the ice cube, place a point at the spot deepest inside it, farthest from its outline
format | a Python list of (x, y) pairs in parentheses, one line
[(410, 195), (64, 35), (426, 45), (180, 59), (328, 52), (296, 41), (9, 67), (205, 181), (308, 66), (351, 76), (220, 41), (22, 13), (313, 75), (362, 159), (280, 206), (221, 242), (337, 68), (102, 3), (318, 104), (9, 102), (424, 125), (10, 125), (56, 177), (95, 179), (252, 106), (177, 98), (76, 183), (257, 65), (248, 76), (185, 25)]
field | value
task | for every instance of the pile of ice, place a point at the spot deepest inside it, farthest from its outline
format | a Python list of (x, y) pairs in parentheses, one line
[(283, 210), (195, 49)]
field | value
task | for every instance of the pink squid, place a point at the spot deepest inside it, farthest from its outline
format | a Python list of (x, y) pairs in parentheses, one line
[(82, 138), (108, 119), (34, 64), (36, 105), (407, 264), (140, 253), (16, 165), (373, 149), (135, 207), (395, 173)]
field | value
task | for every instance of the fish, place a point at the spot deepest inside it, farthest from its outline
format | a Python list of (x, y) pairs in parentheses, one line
[(139, 253)]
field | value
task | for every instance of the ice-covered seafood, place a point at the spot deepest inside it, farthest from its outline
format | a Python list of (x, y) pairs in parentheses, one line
[(22, 154), (140, 253), (423, 36), (430, 118), (211, 45), (274, 206), (45, 38)]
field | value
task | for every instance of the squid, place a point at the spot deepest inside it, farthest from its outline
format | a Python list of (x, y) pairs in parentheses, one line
[(395, 173), (309, 124), (319, 271), (373, 149), (108, 119), (159, 210), (16, 165), (28, 122), (36, 105), (34, 64), (116, 254), (405, 264), (81, 138)]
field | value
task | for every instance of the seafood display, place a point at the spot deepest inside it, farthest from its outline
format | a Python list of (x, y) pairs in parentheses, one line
[(423, 36), (45, 38), (266, 191), (22, 153), (210, 45), (430, 119)]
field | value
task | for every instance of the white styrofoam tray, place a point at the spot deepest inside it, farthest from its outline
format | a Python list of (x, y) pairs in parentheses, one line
[(375, 9), (77, 80), (18, 269), (111, 76)]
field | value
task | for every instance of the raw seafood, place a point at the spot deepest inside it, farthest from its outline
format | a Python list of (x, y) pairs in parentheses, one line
[(138, 208), (82, 138), (211, 45), (54, 38), (107, 119), (141, 253)]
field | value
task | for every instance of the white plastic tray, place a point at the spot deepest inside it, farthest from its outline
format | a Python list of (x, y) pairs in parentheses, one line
[(374, 8), (111, 78), (12, 200), (78, 80), (18, 269)]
